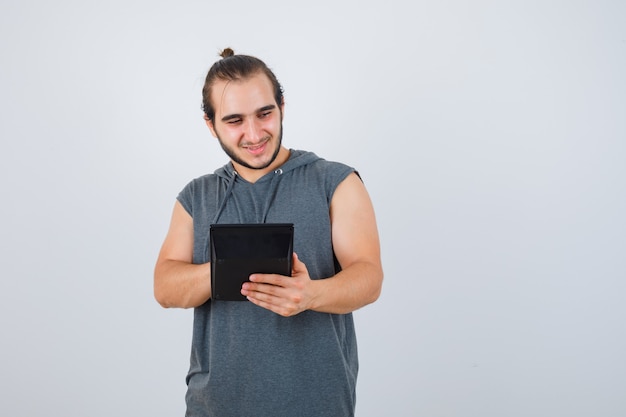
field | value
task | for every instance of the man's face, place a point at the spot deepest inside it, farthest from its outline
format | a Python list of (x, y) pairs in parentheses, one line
[(248, 122)]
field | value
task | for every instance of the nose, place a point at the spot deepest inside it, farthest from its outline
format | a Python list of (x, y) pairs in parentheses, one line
[(253, 131)]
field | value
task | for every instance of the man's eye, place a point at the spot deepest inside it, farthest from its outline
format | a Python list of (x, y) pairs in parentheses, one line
[(265, 114), (234, 121)]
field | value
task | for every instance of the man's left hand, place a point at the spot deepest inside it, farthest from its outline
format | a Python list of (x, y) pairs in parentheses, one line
[(281, 294)]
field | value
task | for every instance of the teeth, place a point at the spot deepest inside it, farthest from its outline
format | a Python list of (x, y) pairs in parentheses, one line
[(255, 147)]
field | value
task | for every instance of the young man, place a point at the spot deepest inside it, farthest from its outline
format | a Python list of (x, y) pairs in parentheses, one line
[(291, 350)]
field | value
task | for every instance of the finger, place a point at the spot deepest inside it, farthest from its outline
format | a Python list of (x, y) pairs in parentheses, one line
[(267, 303), (261, 290), (270, 279), (297, 265), (265, 300)]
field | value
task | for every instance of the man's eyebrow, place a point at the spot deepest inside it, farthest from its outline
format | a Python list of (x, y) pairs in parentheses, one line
[(230, 117), (239, 116), (266, 108)]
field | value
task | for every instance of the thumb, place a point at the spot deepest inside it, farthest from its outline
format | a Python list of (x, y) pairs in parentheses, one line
[(297, 265)]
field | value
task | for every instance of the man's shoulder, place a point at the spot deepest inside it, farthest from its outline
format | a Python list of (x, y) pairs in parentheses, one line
[(205, 179), (312, 161), (330, 169), (199, 186)]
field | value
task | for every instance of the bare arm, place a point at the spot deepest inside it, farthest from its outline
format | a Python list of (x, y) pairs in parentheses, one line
[(356, 245), (357, 248), (178, 282)]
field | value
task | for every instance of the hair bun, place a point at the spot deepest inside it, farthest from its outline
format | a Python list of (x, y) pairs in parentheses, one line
[(227, 52)]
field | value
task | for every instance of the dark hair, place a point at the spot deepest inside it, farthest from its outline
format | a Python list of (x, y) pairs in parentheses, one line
[(235, 67)]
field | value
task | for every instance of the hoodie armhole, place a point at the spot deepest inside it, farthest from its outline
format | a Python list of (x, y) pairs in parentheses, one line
[(184, 198), (338, 179)]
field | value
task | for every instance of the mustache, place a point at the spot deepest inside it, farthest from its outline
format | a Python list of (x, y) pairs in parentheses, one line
[(260, 142)]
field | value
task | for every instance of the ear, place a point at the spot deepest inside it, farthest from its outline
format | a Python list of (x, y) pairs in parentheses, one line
[(282, 109), (210, 125)]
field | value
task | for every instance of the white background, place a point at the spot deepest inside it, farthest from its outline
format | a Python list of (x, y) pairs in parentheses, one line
[(491, 136)]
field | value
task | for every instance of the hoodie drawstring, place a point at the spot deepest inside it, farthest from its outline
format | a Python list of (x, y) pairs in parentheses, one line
[(229, 190), (272, 196), (268, 201)]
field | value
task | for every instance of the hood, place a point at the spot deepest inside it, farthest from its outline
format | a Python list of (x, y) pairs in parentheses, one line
[(227, 173), (296, 159)]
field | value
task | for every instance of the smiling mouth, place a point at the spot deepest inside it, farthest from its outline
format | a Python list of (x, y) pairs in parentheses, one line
[(258, 146)]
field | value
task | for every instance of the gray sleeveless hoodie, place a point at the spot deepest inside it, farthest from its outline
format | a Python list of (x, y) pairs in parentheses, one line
[(245, 360)]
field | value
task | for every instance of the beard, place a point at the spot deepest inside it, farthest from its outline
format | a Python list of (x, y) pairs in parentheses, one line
[(233, 156)]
